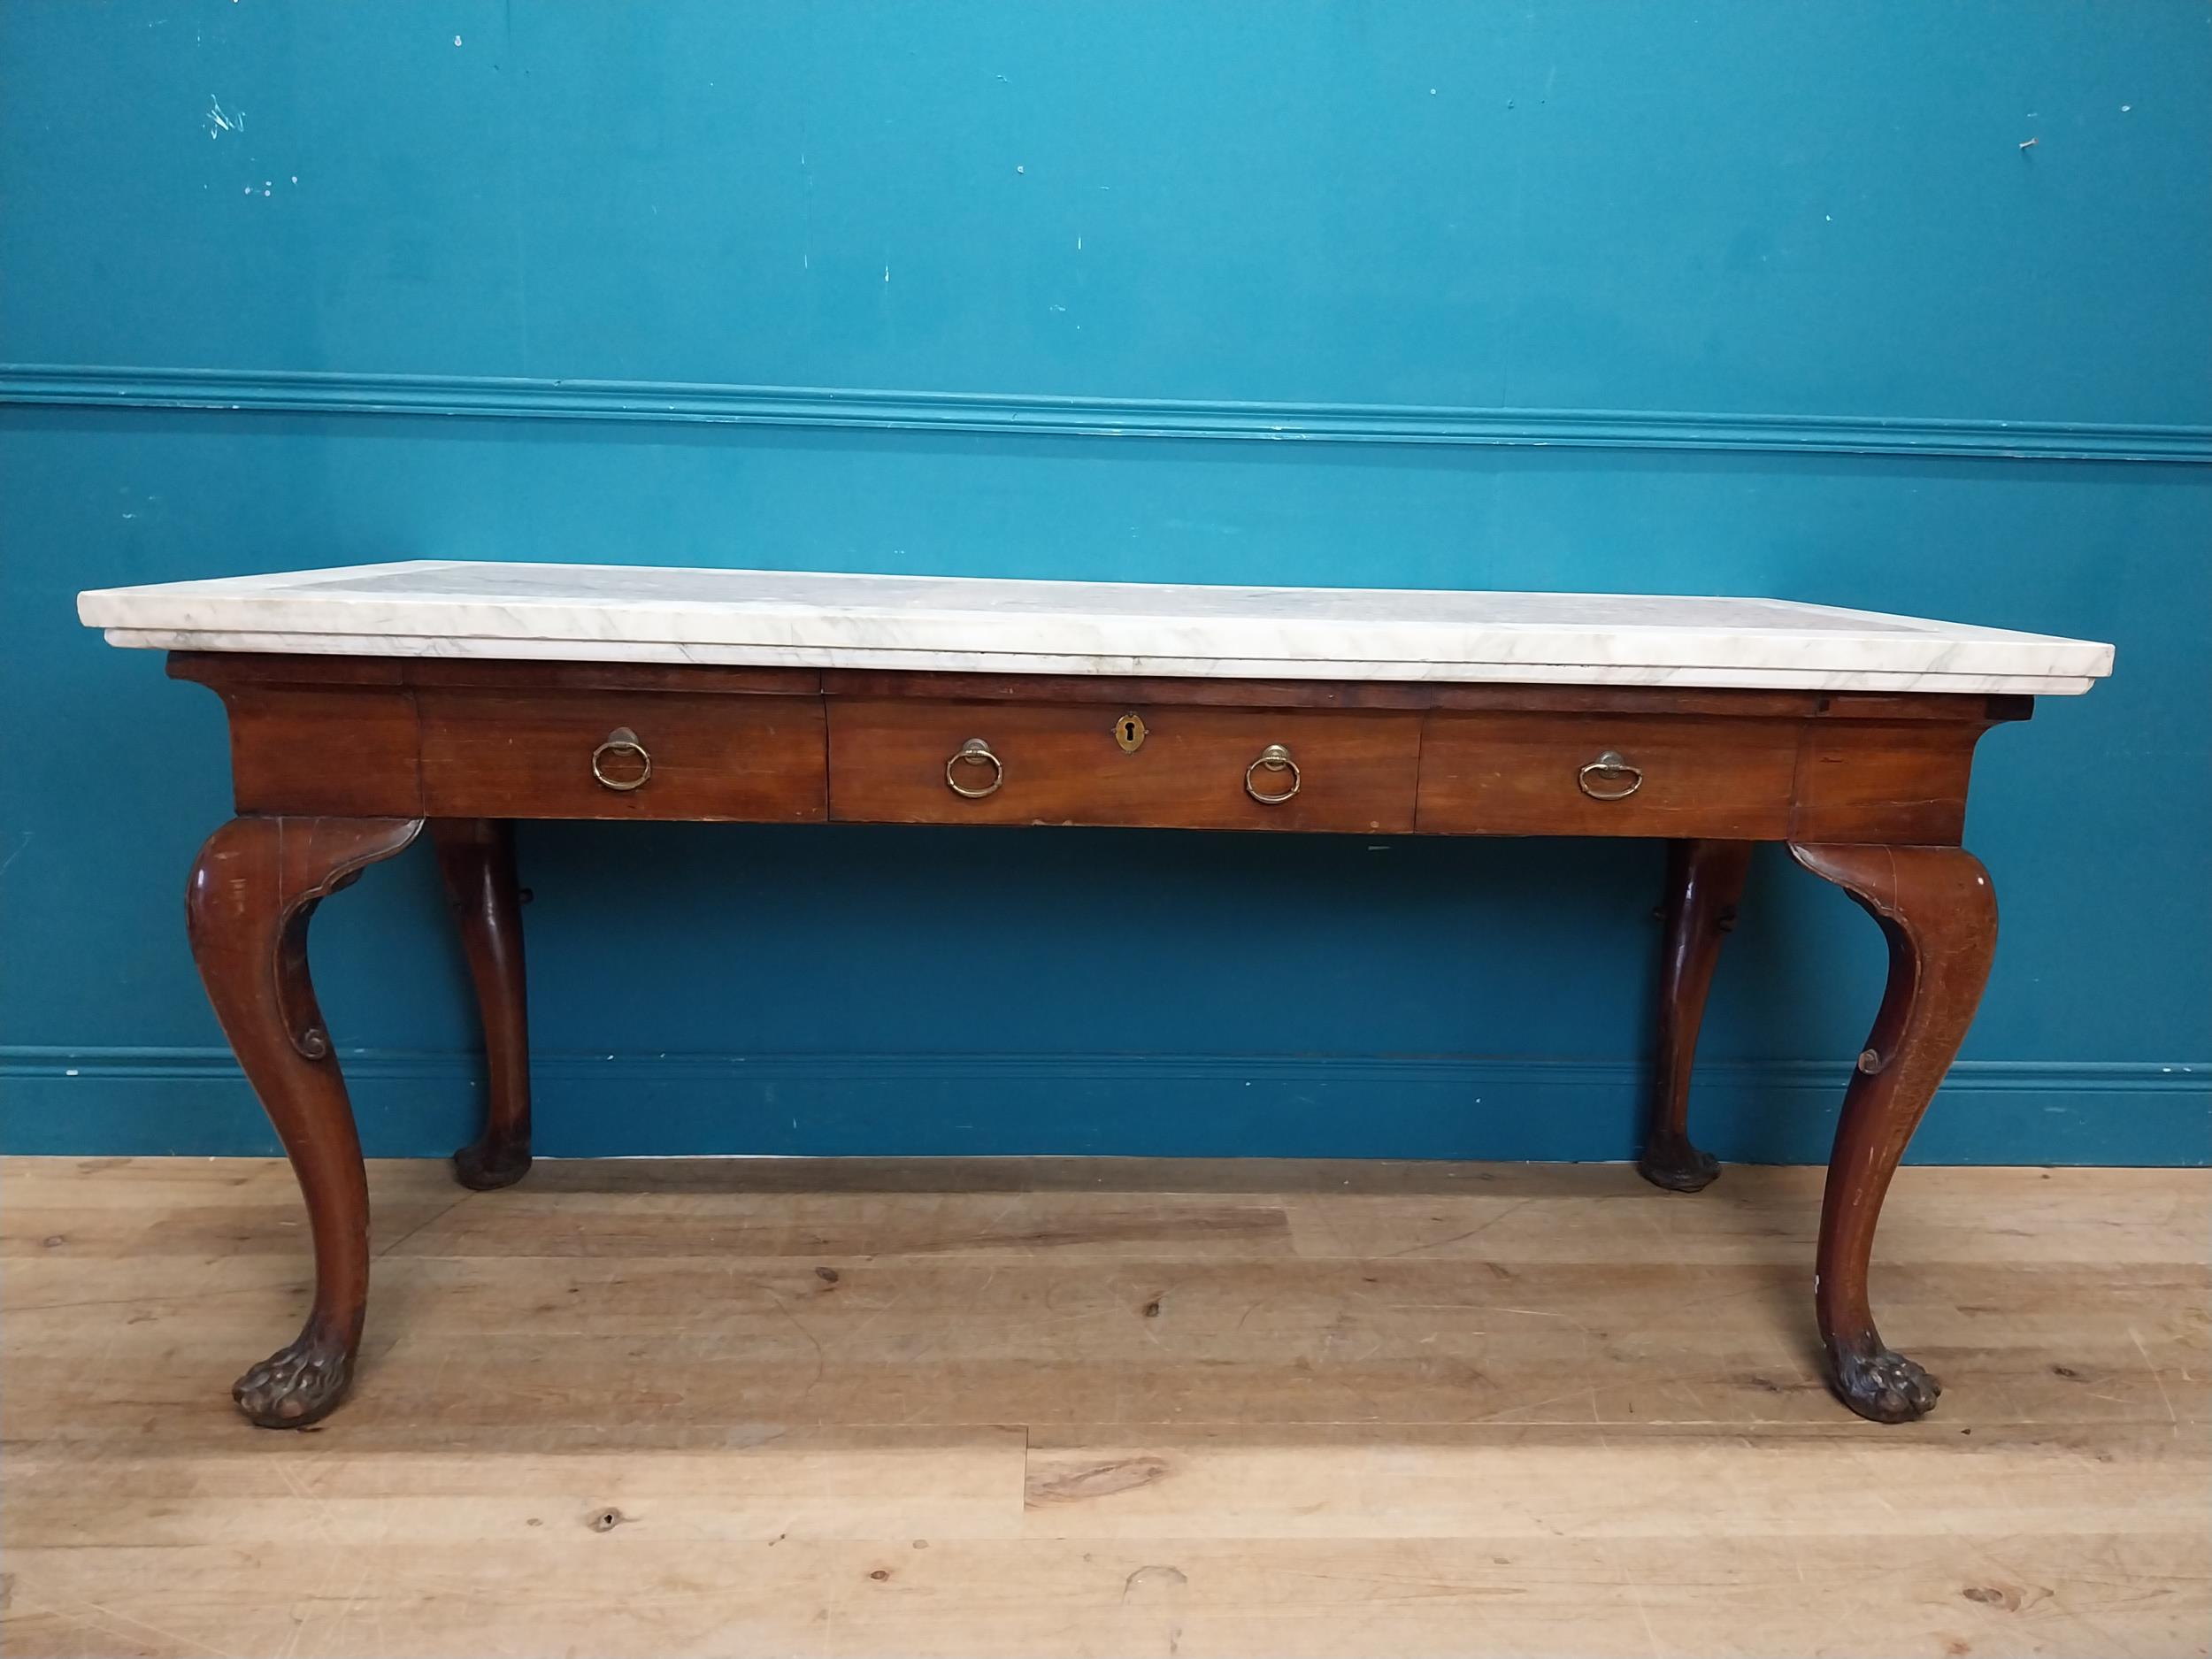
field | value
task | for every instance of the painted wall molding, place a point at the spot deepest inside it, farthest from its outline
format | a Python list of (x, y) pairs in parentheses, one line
[(95, 1102), (489, 397)]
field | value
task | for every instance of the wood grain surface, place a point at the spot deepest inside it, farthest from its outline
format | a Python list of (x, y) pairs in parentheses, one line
[(401, 737), (1356, 772), (1072, 1407)]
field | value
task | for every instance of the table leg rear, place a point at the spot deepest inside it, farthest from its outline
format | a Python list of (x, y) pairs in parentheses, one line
[(477, 856), (1705, 881)]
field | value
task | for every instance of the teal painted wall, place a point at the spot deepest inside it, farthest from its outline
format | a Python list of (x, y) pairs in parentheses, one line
[(1729, 297)]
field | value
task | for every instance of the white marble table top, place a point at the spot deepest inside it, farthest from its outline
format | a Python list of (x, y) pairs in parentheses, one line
[(642, 614)]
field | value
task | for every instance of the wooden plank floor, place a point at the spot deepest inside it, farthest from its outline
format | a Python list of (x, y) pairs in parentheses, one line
[(1085, 1408)]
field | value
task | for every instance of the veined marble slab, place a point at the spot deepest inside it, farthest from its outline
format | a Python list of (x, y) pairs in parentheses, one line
[(796, 618)]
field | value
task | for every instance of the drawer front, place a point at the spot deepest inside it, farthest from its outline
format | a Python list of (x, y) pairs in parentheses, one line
[(1067, 764), (619, 755), (1576, 774)]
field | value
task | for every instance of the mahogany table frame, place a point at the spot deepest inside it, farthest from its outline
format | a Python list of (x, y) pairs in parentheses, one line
[(339, 762)]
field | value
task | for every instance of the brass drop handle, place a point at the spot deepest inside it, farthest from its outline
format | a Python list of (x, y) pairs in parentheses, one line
[(622, 740), (1608, 769), (975, 752), (1275, 758)]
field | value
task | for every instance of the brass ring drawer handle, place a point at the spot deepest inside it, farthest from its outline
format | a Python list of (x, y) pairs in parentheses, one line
[(622, 740), (975, 751), (1275, 758), (1609, 766)]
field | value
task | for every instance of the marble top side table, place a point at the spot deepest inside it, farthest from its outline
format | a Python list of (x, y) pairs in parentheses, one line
[(369, 702)]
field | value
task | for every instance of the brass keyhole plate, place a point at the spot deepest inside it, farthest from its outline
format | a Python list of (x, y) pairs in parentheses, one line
[(1129, 732)]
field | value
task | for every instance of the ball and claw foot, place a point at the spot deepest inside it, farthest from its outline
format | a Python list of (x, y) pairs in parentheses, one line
[(1676, 1165), (1881, 1385), (485, 1166), (295, 1385)]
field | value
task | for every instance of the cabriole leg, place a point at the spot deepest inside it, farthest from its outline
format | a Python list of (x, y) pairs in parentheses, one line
[(1938, 912), (477, 856), (257, 882), (1705, 881)]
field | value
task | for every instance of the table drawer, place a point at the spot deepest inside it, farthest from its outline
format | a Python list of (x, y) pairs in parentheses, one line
[(615, 755), (1577, 774), (1192, 768)]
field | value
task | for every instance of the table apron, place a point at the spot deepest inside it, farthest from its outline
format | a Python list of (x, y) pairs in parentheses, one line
[(1874, 770)]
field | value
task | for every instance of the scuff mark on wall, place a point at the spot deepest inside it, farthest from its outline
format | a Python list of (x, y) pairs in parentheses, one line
[(220, 120)]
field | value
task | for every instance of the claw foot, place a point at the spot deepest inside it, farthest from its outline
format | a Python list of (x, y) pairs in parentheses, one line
[(295, 1385), (1882, 1384), (487, 1165), (1676, 1165)]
